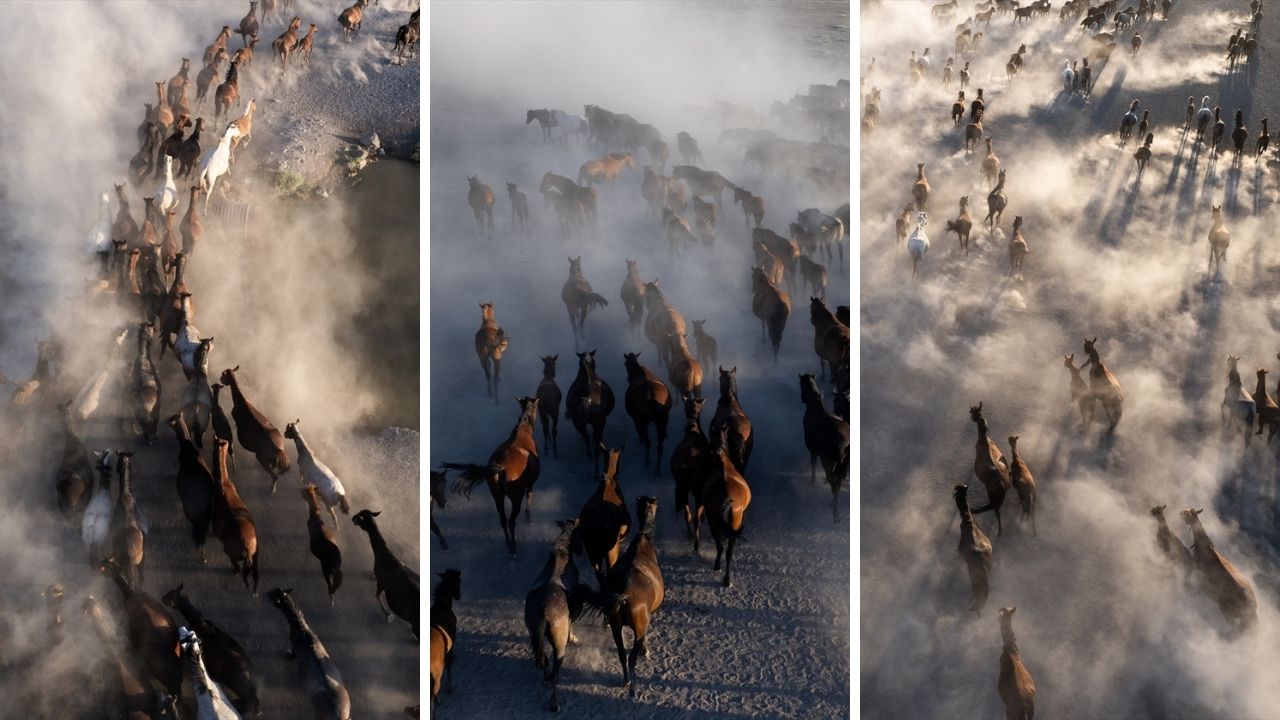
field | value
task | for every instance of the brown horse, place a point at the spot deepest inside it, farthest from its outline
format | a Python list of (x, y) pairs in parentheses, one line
[(1104, 386), (480, 198), (191, 227), (814, 276), (233, 523), (962, 225), (785, 249), (444, 630), (662, 321), (633, 295), (128, 540), (1223, 583), (997, 201), (920, 189), (676, 230), (324, 546), (637, 588), (830, 341), (648, 402), (975, 549), (283, 45), (579, 299), (690, 464), (75, 473), (219, 43), (1268, 412), (249, 23), (684, 371), (589, 402), (772, 266), (604, 170), (152, 631), (519, 207), (727, 495), (990, 468), (1023, 482), (512, 470), (772, 305), (1081, 396), (206, 76), (990, 164), (604, 518), (490, 342), (730, 417), (1017, 689), (826, 437), (548, 395), (134, 694), (255, 432), (708, 349), (351, 18), (1018, 250), (752, 205), (228, 93)]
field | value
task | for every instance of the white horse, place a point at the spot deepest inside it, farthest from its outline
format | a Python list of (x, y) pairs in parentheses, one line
[(918, 243), (215, 163), (1068, 76), (211, 699), (167, 192), (187, 344), (1203, 116), (100, 237), (317, 473), (95, 528), (89, 398)]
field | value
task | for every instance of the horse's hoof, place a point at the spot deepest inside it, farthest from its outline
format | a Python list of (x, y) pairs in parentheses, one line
[(390, 617), (370, 576), (727, 583)]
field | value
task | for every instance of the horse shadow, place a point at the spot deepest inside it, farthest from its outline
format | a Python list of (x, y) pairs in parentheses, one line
[(1107, 102)]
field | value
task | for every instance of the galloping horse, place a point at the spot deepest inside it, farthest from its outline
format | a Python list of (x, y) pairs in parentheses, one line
[(589, 402), (661, 322), (512, 470), (731, 418), (604, 170), (480, 198), (1104, 385), (648, 402), (490, 342), (772, 305), (727, 496), (579, 299), (1219, 239), (826, 437), (918, 242), (636, 582), (604, 519)]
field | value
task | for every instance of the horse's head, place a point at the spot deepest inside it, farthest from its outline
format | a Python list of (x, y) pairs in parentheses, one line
[(450, 583), (291, 430), (922, 218), (1068, 361), (1191, 517), (570, 539), (809, 388), (228, 376), (281, 598), (632, 362), (729, 382), (486, 311), (365, 520), (692, 409), (975, 412), (575, 265), (1231, 361), (174, 597), (549, 364), (1089, 346), (528, 409), (1158, 511), (528, 117)]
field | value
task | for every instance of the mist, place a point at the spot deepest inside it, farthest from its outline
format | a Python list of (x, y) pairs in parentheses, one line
[(1104, 623), (289, 302), (776, 644)]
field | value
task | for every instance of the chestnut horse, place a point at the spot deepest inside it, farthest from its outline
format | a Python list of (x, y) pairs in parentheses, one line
[(772, 305), (731, 417), (604, 170), (480, 198), (512, 470), (727, 495), (684, 370), (648, 402), (604, 518), (636, 583), (490, 343), (255, 431), (233, 523), (579, 299)]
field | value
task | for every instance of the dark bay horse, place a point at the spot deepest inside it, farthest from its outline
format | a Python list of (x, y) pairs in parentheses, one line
[(579, 299), (731, 417), (589, 402), (648, 402), (549, 397), (727, 496), (604, 518), (512, 470), (690, 464), (636, 589), (826, 437)]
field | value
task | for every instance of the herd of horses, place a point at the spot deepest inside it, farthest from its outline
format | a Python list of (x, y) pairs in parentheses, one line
[(1220, 581), (708, 468), (140, 277)]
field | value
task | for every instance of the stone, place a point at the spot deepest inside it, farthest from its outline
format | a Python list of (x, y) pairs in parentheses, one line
[(371, 141)]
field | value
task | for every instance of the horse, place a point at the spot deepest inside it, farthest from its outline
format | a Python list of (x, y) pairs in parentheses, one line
[(189, 151), (519, 207), (1219, 128), (74, 478), (221, 425), (255, 432), (635, 590), (589, 402), (480, 198), (683, 369), (1104, 385), (314, 472), (579, 299), (211, 703), (205, 78), (511, 472), (395, 580), (1128, 122), (351, 19), (918, 242), (963, 224), (972, 134), (689, 465), (974, 548), (145, 387), (152, 631), (556, 599), (546, 120), (1068, 77), (134, 696), (706, 344), (99, 243), (920, 188), (676, 230), (195, 485), (1264, 140), (548, 395), (569, 211), (249, 23), (604, 520), (191, 227), (648, 402), (1017, 689), (957, 109), (703, 182), (604, 170), (633, 295), (727, 495), (129, 527), (1143, 154), (662, 321), (227, 662), (233, 523), (491, 342), (228, 93), (996, 202), (1239, 134), (245, 125), (830, 340), (215, 164), (1238, 406), (990, 467), (440, 498), (1223, 583), (772, 305), (1268, 413), (316, 670), (659, 153), (197, 400), (284, 44), (688, 148), (444, 630), (1219, 239), (826, 437), (1018, 250), (731, 418), (1203, 116)]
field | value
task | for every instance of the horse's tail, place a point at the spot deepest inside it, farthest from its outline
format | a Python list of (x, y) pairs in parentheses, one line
[(596, 300), (778, 323), (842, 465), (337, 581), (344, 505), (952, 227), (200, 533), (472, 475), (584, 600), (582, 173), (984, 508)]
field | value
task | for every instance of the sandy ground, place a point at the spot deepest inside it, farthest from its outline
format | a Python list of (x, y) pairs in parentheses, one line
[(774, 645), (305, 304), (1102, 623)]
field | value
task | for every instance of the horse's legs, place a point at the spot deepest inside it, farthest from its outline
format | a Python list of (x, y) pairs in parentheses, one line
[(502, 518), (660, 429), (557, 658), (616, 627), (497, 377), (813, 469), (515, 513), (719, 548), (728, 560), (640, 623), (642, 429)]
